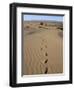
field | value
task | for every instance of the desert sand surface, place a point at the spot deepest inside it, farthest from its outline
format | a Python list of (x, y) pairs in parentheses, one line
[(42, 48)]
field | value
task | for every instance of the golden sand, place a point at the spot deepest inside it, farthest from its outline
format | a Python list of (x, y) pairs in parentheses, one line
[(42, 50)]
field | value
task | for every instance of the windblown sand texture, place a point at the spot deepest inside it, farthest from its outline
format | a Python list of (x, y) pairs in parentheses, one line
[(42, 47)]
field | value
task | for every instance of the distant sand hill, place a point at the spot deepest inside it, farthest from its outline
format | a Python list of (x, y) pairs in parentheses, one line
[(42, 47)]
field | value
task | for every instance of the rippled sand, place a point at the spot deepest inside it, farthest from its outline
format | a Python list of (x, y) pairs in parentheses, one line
[(42, 51)]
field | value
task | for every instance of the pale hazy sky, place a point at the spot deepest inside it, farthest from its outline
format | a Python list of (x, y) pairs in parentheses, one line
[(27, 17)]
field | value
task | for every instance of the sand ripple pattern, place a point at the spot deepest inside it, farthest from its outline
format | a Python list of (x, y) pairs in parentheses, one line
[(43, 52)]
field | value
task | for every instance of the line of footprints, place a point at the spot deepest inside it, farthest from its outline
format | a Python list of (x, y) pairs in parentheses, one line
[(46, 55)]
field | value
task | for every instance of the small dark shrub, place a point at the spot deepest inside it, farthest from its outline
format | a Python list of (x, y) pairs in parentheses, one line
[(41, 23), (27, 26)]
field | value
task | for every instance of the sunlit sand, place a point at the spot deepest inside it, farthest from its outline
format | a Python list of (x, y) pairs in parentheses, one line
[(42, 48)]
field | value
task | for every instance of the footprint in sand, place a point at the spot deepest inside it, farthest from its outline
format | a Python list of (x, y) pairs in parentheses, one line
[(46, 70), (41, 48), (46, 54), (43, 40), (45, 46), (46, 61)]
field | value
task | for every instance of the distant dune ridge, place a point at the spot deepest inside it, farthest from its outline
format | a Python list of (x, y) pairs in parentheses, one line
[(42, 47), (35, 26)]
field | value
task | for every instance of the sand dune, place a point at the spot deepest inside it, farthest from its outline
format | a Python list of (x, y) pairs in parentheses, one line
[(42, 49)]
